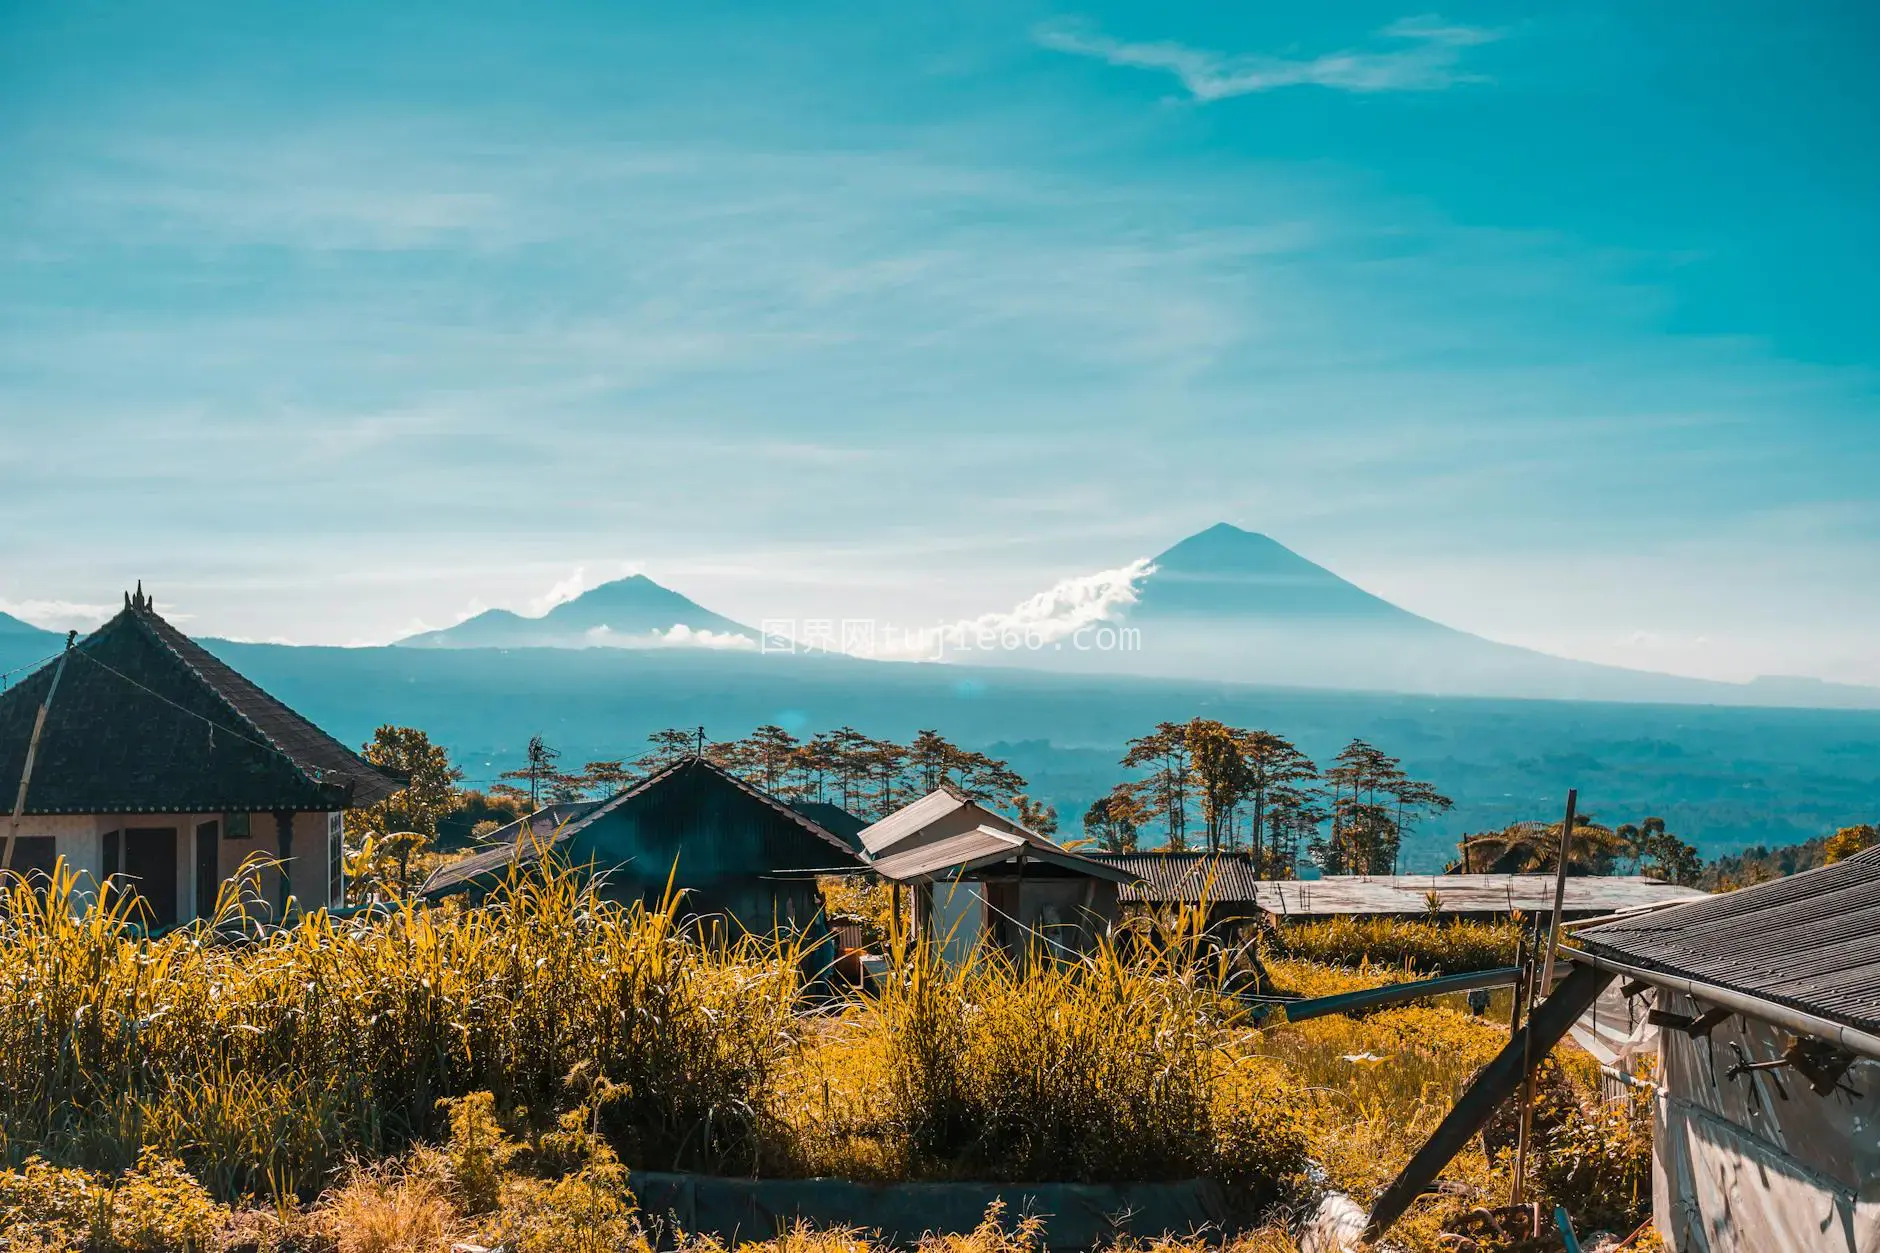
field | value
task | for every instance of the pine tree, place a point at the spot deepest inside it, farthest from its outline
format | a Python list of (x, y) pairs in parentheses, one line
[(1165, 752)]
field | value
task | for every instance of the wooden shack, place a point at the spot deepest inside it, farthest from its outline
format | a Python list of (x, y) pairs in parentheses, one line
[(732, 849), (980, 878), (1767, 1092)]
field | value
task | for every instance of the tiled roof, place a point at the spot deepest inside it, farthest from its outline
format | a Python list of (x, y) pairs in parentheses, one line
[(1810, 941), (145, 720)]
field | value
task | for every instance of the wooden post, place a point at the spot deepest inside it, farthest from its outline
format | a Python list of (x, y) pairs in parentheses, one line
[(1542, 989), (284, 850), (32, 751), (1560, 889), (1546, 1026)]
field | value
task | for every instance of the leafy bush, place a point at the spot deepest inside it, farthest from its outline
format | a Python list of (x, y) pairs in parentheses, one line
[(1597, 1161), (154, 1207)]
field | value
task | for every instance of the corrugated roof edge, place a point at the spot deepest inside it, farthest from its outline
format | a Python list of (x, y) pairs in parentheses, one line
[(1623, 947)]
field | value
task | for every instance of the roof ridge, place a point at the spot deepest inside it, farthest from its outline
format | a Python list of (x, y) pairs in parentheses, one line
[(752, 790)]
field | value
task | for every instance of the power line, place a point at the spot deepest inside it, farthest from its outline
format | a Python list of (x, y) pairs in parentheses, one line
[(31, 665), (213, 725)]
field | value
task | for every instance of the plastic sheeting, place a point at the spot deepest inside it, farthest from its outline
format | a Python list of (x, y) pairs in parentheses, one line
[(1759, 1163)]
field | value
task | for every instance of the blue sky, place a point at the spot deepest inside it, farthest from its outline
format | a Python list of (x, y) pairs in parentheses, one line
[(1555, 323)]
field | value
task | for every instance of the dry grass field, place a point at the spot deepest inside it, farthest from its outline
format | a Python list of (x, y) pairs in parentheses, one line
[(407, 1081)]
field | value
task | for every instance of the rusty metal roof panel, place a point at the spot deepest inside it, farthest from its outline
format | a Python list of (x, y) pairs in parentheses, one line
[(1810, 941)]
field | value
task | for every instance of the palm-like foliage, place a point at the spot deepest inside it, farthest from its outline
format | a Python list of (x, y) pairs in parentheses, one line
[(1533, 847)]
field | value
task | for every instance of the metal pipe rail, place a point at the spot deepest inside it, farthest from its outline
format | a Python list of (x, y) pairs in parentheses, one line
[(1390, 994), (1799, 1021)]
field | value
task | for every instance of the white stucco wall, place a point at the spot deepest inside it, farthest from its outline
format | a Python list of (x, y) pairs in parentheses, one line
[(80, 841)]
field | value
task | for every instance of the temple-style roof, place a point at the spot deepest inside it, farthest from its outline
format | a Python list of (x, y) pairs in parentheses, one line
[(145, 720)]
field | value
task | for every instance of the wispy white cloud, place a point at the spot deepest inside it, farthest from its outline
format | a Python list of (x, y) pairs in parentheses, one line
[(561, 593), (678, 635), (57, 615), (1042, 621), (1423, 54)]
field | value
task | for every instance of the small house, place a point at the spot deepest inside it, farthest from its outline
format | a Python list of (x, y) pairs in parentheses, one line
[(978, 877), (1767, 1002), (158, 767), (734, 850)]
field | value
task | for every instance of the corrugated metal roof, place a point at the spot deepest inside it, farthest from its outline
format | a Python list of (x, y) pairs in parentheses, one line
[(1231, 878), (954, 852), (1810, 941), (543, 823), (912, 817), (986, 846), (834, 819), (1166, 878), (699, 763)]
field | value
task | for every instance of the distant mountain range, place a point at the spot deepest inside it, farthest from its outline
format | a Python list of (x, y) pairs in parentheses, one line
[(633, 612), (1225, 605)]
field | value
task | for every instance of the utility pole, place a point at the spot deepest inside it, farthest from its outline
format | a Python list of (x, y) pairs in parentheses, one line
[(32, 751)]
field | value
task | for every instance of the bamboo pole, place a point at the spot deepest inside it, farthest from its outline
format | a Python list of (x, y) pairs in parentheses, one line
[(32, 751)]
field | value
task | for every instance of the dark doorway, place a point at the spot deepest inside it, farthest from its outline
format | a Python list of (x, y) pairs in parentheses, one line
[(33, 858), (150, 869), (208, 867)]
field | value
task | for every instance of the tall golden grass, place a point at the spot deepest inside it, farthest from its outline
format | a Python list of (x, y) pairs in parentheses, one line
[(264, 1062), (1115, 1064), (1429, 946), (311, 1061)]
